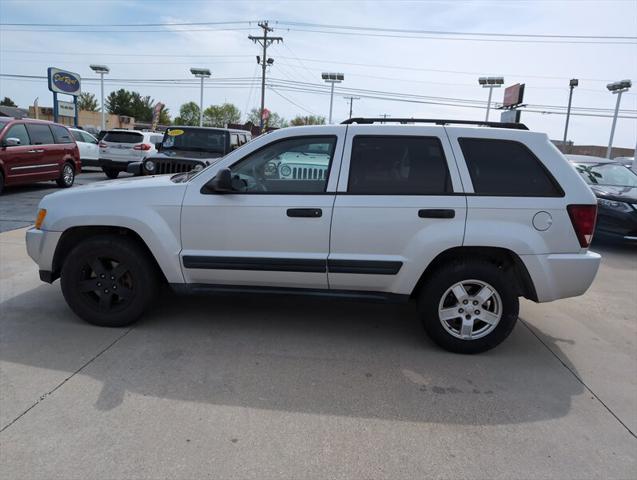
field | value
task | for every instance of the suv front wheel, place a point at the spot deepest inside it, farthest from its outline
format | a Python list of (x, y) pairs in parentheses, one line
[(469, 306), (108, 280)]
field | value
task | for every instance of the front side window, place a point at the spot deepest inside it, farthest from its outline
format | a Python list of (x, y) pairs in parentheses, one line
[(40, 134), (295, 165), (398, 165), (18, 131), (62, 135), (506, 168)]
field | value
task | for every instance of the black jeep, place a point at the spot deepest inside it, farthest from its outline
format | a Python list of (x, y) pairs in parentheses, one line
[(190, 148)]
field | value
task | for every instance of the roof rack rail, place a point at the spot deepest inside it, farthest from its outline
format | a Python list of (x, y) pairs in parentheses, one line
[(436, 121)]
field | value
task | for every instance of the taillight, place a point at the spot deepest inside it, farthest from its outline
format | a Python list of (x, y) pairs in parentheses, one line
[(142, 146), (583, 218), (102, 145)]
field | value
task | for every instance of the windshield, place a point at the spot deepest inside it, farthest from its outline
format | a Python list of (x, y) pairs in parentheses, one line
[(195, 140), (608, 174)]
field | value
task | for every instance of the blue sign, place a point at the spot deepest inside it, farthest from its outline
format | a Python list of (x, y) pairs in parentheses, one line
[(61, 81)]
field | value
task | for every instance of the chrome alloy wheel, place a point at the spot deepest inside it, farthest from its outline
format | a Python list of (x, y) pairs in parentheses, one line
[(67, 174), (470, 309)]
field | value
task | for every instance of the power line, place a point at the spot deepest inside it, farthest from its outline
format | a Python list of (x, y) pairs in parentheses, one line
[(443, 32)]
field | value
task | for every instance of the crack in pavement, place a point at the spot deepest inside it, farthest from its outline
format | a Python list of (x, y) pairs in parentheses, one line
[(47, 394), (579, 379)]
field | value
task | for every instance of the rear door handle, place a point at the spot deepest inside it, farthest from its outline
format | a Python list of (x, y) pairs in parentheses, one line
[(436, 213), (305, 212)]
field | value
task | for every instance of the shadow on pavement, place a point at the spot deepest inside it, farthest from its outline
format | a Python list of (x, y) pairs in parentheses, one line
[(295, 355)]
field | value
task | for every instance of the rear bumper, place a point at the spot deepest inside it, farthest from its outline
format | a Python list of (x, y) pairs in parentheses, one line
[(558, 276), (120, 165)]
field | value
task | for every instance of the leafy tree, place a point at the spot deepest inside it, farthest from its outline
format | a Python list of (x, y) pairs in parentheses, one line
[(273, 121), (221, 115), (87, 102), (307, 120), (142, 107), (164, 116), (188, 114), (7, 102), (120, 102)]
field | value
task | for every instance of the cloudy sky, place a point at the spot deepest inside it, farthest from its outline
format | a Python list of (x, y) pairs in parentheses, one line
[(430, 73)]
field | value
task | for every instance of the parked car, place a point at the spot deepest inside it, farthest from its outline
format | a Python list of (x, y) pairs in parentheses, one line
[(120, 147), (186, 148), (462, 219), (628, 162), (615, 187), (87, 143), (36, 151)]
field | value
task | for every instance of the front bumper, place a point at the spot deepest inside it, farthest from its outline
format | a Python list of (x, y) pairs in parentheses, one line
[(41, 245), (561, 275)]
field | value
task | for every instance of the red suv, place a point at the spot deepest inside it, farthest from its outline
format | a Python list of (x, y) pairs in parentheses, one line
[(35, 151)]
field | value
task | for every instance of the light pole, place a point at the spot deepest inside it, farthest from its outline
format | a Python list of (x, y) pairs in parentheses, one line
[(572, 84), (101, 69), (200, 73), (616, 88), (490, 83), (332, 78)]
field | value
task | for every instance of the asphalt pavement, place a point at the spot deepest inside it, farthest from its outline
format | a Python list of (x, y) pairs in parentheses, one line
[(260, 387)]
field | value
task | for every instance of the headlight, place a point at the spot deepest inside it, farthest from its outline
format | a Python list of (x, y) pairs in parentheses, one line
[(286, 170), (149, 165), (614, 205)]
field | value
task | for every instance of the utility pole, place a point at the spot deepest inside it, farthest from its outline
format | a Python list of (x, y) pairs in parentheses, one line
[(265, 42), (351, 101), (384, 115), (572, 84)]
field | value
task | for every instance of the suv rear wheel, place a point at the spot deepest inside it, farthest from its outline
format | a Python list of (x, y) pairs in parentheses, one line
[(108, 281), (110, 172), (469, 306), (67, 177)]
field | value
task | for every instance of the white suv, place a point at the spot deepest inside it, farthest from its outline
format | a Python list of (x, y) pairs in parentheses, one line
[(463, 219), (120, 147)]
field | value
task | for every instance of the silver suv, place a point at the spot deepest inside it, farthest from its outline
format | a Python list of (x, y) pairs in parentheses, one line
[(463, 219), (120, 147)]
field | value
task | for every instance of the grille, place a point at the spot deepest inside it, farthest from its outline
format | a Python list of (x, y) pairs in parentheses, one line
[(172, 166), (308, 173)]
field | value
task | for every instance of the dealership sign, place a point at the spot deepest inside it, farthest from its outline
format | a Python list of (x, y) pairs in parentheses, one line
[(61, 81), (513, 95), (66, 109)]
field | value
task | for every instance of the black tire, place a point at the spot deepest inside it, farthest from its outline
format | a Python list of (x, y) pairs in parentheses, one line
[(67, 176), (110, 172), (475, 273), (109, 280)]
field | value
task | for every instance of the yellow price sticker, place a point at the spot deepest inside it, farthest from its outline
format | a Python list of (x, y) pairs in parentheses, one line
[(175, 133)]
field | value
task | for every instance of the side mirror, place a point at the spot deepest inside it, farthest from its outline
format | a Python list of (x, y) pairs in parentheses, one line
[(221, 183), (158, 146), (11, 142)]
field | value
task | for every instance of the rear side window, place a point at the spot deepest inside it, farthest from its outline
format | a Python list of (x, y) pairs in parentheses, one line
[(61, 134), (18, 131), (506, 168), (123, 137), (40, 134), (398, 165)]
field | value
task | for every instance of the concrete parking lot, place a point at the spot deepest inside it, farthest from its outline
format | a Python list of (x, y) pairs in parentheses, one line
[(257, 387)]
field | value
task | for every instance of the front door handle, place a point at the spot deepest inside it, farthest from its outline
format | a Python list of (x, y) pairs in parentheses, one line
[(305, 212), (436, 213)]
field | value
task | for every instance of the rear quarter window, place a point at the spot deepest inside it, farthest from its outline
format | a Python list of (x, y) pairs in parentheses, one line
[(506, 168), (123, 137), (61, 134)]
